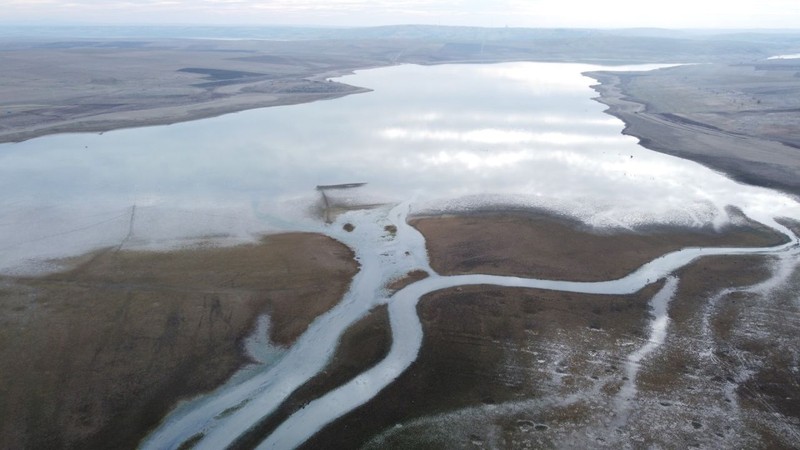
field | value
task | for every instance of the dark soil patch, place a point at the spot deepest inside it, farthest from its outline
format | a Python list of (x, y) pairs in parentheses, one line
[(543, 246)]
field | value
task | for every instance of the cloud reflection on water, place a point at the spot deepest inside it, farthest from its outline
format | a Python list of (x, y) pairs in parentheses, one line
[(446, 136)]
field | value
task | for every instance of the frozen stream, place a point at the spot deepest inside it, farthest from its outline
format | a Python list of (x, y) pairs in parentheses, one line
[(383, 259)]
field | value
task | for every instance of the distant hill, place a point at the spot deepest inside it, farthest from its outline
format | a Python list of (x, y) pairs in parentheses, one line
[(451, 43)]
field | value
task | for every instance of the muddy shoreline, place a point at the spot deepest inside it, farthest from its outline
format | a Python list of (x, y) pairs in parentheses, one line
[(664, 110), (162, 82)]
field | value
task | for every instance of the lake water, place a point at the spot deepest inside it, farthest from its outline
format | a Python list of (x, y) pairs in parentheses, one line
[(450, 136)]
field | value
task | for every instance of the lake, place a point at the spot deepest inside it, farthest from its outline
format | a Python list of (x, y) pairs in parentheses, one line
[(443, 137)]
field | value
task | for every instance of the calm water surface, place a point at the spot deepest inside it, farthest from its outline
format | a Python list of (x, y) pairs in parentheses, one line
[(448, 136)]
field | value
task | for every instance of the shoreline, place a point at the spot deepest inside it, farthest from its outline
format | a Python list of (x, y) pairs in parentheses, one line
[(171, 114), (528, 357), (115, 342), (165, 81), (747, 159)]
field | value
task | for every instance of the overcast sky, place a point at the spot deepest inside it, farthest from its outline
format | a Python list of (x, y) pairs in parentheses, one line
[(497, 13)]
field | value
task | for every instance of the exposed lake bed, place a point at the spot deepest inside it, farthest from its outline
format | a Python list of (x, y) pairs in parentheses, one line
[(565, 158)]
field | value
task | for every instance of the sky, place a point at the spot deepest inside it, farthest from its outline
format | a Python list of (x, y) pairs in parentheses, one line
[(781, 14)]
